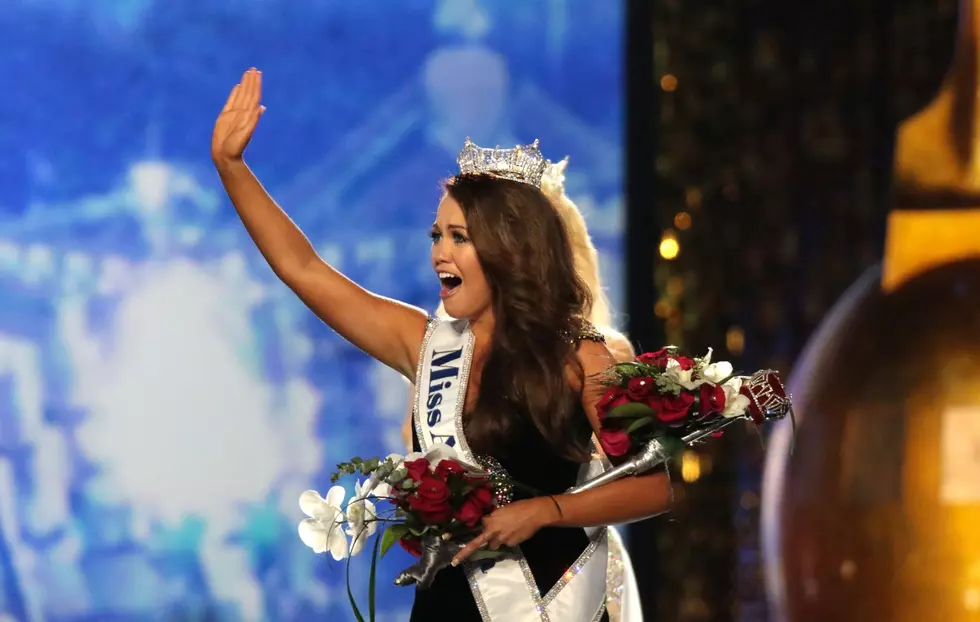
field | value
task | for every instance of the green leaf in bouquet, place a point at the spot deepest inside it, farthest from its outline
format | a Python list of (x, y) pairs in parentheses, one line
[(627, 370), (392, 535), (396, 475), (672, 444), (350, 596), (631, 410), (372, 581), (457, 487), (667, 386), (639, 423), (370, 465), (356, 460), (417, 531)]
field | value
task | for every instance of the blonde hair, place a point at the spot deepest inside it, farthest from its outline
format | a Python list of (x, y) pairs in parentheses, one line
[(584, 252)]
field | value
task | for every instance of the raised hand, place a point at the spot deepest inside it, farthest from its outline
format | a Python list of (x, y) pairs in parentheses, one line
[(238, 118)]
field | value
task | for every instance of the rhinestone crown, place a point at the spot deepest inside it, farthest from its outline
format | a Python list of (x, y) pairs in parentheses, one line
[(523, 163)]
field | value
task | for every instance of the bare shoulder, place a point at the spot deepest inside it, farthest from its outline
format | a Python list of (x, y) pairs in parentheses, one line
[(594, 356)]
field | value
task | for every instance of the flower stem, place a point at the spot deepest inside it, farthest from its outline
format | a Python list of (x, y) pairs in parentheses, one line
[(371, 581), (350, 595)]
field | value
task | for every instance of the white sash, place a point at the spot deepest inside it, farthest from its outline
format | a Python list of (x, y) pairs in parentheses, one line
[(504, 589), (622, 594)]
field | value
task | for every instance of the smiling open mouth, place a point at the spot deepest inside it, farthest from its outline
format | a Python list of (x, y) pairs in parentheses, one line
[(450, 283)]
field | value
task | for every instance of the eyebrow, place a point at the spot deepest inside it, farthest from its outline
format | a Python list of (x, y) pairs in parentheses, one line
[(435, 227)]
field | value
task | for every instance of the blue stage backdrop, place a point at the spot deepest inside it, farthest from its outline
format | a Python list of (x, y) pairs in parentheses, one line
[(163, 399)]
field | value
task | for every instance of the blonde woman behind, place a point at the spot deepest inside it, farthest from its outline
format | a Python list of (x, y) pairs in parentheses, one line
[(622, 596)]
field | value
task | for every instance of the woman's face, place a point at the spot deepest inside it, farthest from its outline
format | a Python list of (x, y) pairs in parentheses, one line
[(465, 292)]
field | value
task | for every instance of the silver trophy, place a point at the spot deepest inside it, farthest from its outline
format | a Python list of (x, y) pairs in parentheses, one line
[(768, 401)]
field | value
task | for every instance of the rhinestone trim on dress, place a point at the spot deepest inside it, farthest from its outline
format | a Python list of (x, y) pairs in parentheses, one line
[(471, 570), (430, 327), (575, 568), (587, 332), (615, 576), (503, 492), (532, 587), (464, 381)]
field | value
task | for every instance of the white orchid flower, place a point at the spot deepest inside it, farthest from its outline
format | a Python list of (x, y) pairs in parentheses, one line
[(682, 377), (735, 403), (323, 530), (706, 359), (361, 519), (716, 373), (435, 454), (439, 452), (381, 490)]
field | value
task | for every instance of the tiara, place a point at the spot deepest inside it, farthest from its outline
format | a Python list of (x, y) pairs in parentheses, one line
[(522, 163)]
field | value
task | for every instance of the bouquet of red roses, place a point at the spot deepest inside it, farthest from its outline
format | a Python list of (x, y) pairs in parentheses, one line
[(433, 500), (677, 400)]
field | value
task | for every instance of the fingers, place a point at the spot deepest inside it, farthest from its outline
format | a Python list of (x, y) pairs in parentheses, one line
[(239, 93), (231, 98), (258, 87), (471, 548), (252, 84), (247, 93), (253, 118)]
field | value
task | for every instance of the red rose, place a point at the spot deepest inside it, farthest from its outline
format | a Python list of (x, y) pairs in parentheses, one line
[(431, 501), (475, 506), (684, 362), (614, 442), (640, 388), (448, 467), (417, 469), (656, 359), (614, 397), (412, 544), (671, 408), (712, 399)]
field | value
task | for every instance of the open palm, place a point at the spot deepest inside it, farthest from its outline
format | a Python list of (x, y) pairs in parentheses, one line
[(238, 118)]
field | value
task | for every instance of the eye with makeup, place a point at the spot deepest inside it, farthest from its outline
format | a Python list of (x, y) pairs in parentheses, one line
[(458, 236)]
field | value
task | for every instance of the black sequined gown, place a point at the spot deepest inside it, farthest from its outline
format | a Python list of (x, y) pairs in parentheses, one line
[(549, 553)]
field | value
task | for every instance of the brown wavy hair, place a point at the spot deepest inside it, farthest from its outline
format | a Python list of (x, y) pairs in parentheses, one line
[(538, 301)]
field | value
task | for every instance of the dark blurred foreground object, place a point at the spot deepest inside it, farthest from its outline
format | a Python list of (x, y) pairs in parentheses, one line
[(875, 515)]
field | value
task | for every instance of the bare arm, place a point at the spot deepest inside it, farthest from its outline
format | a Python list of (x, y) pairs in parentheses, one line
[(407, 423), (385, 329), (624, 500), (622, 350)]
